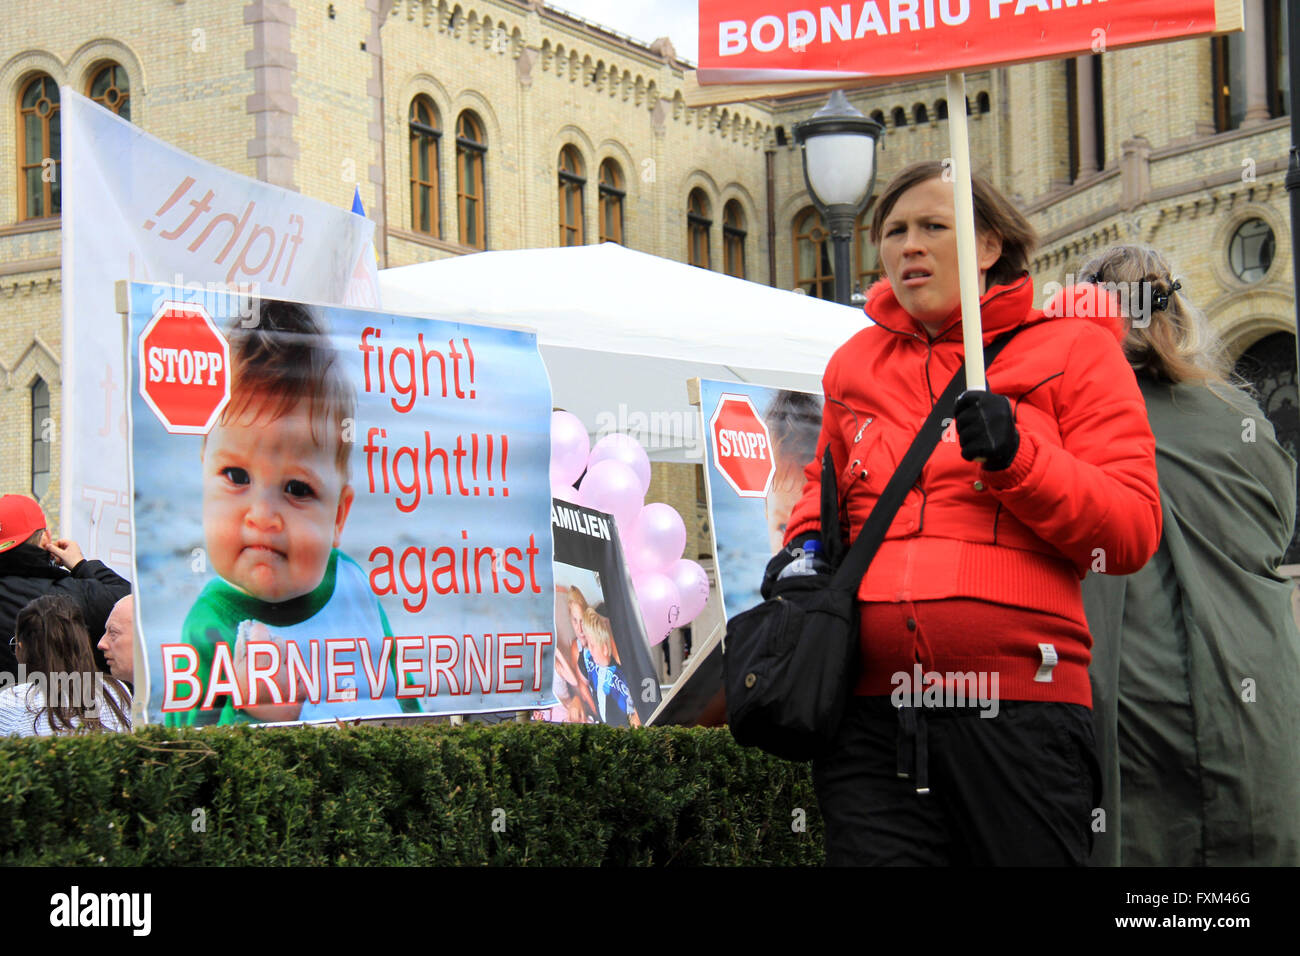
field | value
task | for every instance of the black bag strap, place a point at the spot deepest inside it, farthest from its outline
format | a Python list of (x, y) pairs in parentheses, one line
[(907, 474)]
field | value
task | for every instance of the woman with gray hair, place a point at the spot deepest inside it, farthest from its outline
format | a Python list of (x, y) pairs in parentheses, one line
[(1196, 658)]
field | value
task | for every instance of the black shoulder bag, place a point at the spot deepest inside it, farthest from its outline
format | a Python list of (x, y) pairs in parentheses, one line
[(788, 663)]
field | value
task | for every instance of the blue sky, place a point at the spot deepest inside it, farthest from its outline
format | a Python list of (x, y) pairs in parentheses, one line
[(644, 20)]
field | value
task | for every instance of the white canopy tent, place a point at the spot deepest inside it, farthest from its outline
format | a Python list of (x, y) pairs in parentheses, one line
[(622, 331)]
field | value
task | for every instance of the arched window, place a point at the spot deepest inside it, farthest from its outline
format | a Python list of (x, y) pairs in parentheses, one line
[(573, 182), (471, 200), (812, 255), (426, 210), (38, 148), (878, 116), (900, 117), (920, 114), (733, 239), (941, 109), (611, 202), (110, 88), (42, 438), (982, 102), (699, 221)]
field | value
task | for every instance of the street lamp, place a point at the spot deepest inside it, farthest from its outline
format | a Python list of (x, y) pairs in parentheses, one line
[(839, 167)]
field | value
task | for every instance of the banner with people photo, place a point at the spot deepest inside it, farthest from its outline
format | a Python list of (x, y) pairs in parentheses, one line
[(758, 440), (136, 207), (338, 513), (603, 670)]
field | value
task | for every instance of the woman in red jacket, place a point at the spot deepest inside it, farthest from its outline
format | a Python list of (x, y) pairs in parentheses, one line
[(970, 736)]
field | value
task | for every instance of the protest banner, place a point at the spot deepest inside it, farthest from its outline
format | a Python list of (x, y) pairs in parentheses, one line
[(781, 47), (603, 670), (337, 512), (135, 207), (758, 440), (748, 528)]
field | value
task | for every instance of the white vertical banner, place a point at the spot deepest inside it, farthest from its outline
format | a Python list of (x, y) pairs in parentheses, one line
[(136, 208)]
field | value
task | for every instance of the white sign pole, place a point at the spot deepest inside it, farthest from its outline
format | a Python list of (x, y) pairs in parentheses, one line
[(967, 266)]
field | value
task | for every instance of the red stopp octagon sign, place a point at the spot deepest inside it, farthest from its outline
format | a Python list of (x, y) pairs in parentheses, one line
[(184, 368), (742, 446)]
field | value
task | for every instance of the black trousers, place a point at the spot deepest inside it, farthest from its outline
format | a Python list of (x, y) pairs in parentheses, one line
[(1016, 789)]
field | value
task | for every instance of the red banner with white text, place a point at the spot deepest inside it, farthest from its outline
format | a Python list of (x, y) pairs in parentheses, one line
[(743, 41)]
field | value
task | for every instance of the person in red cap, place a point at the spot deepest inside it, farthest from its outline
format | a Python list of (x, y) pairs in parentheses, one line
[(32, 564)]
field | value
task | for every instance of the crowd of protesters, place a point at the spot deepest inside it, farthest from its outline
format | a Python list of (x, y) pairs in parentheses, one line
[(67, 662)]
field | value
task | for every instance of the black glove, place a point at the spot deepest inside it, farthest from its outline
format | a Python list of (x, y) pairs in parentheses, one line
[(780, 561), (986, 428)]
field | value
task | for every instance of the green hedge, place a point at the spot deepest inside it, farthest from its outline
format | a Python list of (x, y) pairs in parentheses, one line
[(428, 795)]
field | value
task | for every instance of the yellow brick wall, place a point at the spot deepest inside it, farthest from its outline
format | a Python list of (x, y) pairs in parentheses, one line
[(540, 81)]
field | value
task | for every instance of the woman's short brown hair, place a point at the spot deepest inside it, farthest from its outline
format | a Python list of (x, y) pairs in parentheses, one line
[(993, 213)]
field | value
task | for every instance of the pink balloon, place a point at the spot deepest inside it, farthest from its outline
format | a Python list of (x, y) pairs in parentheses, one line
[(624, 448), (693, 585), (612, 487), (661, 605), (565, 493), (657, 539), (570, 447)]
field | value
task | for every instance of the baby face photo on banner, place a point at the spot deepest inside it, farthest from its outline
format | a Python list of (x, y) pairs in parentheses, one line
[(337, 513), (759, 440)]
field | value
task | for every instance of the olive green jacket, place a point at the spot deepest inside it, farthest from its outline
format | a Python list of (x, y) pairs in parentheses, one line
[(1196, 658)]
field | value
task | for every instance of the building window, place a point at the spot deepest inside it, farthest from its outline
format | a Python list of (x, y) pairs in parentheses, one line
[(699, 221), (982, 104), (878, 116), (868, 257), (1087, 133), (1276, 25), (42, 433), (111, 89), (611, 202), (814, 263), (941, 109), (900, 117), (812, 255), (38, 149), (920, 114), (573, 182), (1228, 68), (426, 212), (1269, 366), (471, 151), (1250, 250), (733, 239), (1238, 94)]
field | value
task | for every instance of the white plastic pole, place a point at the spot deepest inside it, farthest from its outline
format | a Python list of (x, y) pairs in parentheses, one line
[(967, 266)]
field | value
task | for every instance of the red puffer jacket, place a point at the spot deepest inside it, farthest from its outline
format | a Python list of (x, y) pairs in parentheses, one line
[(1080, 494)]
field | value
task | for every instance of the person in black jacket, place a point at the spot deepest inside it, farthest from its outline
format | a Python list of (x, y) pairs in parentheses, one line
[(31, 564)]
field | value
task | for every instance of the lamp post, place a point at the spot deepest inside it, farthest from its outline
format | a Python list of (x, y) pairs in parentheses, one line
[(839, 168)]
